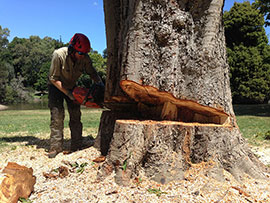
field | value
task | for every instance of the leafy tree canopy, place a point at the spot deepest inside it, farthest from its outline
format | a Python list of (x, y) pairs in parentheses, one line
[(99, 63), (6, 69), (248, 54), (28, 56), (244, 25), (4, 34), (264, 7)]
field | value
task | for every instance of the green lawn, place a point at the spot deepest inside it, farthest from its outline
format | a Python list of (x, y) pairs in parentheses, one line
[(38, 121), (28, 125), (254, 122), (31, 127)]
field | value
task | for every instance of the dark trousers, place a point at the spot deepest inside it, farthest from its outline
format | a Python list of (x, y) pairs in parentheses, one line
[(56, 105)]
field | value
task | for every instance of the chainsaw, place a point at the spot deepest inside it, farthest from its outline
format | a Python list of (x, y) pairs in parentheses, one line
[(90, 97)]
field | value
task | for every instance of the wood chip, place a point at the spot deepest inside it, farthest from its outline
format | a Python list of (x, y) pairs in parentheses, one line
[(99, 159)]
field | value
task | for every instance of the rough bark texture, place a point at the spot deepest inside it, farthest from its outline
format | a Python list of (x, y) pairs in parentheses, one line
[(165, 150), (167, 61), (175, 46)]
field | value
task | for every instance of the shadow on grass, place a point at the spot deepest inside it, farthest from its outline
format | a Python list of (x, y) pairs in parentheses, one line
[(262, 110), (42, 143)]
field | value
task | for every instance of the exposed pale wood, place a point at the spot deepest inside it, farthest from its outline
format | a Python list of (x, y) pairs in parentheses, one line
[(169, 111), (151, 95), (19, 182)]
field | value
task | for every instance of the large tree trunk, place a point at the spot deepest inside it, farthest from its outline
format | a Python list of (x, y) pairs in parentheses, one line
[(168, 90)]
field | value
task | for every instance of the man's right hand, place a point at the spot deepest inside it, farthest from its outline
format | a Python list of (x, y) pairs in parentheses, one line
[(70, 95)]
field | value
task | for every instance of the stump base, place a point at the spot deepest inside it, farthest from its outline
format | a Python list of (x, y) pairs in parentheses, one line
[(165, 150)]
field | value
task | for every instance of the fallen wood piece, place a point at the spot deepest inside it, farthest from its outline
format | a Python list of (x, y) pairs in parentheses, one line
[(99, 159), (50, 175), (61, 172), (18, 183)]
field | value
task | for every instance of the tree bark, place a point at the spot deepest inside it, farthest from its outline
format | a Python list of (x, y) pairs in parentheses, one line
[(168, 90)]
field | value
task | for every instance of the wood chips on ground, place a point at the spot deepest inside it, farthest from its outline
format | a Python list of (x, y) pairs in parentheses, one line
[(79, 182)]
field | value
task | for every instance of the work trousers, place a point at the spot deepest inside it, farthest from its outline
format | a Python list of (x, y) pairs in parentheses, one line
[(56, 105)]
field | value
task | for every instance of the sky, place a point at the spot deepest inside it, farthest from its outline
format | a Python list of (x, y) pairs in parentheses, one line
[(59, 19)]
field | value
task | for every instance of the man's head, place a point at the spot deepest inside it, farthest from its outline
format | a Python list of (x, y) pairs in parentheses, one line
[(80, 44)]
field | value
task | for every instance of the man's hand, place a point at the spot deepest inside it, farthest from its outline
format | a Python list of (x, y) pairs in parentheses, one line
[(70, 95)]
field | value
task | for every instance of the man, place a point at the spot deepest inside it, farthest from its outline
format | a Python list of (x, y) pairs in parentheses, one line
[(68, 63)]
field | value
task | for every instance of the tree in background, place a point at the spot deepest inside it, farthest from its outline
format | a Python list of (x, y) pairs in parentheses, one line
[(248, 54), (41, 83), (4, 33), (105, 54), (99, 63), (29, 55), (264, 7), (6, 69)]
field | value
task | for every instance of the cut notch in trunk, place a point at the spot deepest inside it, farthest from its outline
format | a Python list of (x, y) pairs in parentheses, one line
[(157, 105)]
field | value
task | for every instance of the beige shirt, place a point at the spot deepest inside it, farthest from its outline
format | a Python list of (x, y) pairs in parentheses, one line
[(65, 70)]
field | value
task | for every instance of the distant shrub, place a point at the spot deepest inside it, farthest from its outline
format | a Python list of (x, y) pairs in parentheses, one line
[(267, 135), (15, 92)]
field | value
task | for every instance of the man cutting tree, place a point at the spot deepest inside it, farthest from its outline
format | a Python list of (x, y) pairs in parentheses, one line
[(68, 63)]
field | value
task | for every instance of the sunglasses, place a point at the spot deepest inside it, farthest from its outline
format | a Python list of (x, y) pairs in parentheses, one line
[(81, 53)]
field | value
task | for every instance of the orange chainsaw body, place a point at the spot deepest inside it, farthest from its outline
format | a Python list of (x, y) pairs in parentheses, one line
[(80, 93)]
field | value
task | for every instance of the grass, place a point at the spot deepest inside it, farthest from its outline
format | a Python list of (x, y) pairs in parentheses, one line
[(28, 125), (254, 122), (32, 126), (38, 121)]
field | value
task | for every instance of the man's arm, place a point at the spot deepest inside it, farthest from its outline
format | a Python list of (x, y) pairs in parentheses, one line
[(58, 84)]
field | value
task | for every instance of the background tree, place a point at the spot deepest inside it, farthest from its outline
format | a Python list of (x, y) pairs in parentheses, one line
[(6, 69), (99, 63), (105, 54), (248, 54), (28, 56), (264, 7), (41, 83)]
